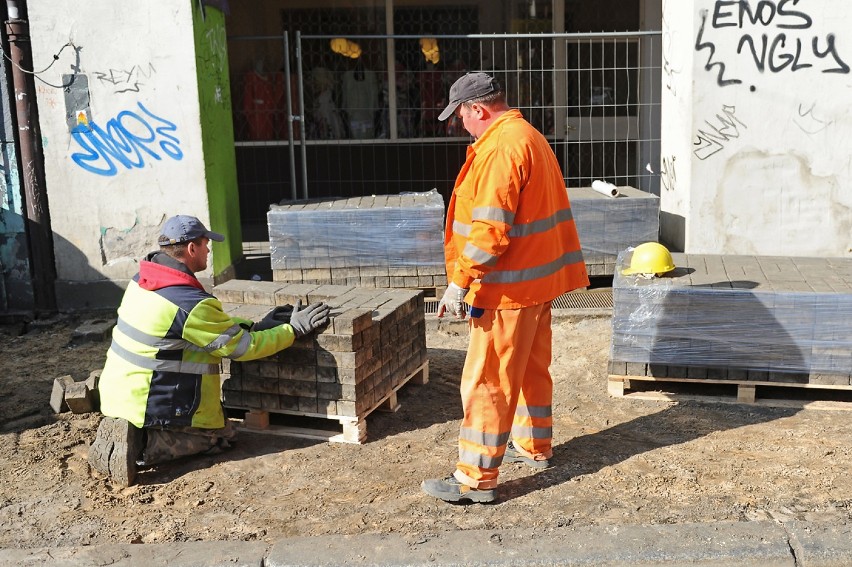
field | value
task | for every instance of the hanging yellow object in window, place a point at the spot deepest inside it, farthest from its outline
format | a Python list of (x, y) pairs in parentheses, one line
[(345, 47), (429, 47)]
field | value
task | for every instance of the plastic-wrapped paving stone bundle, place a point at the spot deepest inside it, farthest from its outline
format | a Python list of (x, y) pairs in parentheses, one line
[(760, 318), (377, 241), (608, 225)]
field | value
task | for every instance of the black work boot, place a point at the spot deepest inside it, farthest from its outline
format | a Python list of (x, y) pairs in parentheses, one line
[(115, 450), (513, 456), (451, 490)]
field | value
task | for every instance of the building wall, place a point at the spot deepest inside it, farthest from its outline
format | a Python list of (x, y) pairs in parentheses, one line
[(217, 132), (16, 290), (755, 156), (122, 136)]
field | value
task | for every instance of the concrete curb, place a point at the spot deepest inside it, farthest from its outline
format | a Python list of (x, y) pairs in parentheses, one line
[(720, 544), (191, 554)]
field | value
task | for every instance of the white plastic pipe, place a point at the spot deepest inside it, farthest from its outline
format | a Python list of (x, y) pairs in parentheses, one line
[(605, 188)]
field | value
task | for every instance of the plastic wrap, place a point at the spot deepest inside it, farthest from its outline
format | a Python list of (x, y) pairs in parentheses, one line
[(773, 314), (605, 188), (377, 231), (607, 225)]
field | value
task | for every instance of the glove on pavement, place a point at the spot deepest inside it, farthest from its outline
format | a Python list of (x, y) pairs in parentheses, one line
[(277, 316), (453, 301), (311, 317)]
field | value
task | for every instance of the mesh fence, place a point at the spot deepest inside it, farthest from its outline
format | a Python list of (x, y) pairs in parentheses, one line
[(362, 110)]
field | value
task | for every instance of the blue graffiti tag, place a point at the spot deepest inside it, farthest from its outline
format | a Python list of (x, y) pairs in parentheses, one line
[(123, 141)]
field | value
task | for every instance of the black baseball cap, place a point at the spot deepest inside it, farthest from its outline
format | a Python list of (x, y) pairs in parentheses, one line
[(469, 87)]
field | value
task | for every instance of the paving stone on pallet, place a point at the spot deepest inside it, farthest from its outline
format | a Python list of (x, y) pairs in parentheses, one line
[(293, 292), (231, 291), (261, 384), (340, 342), (371, 235), (288, 275), (783, 305), (341, 369), (608, 225), (252, 313), (250, 399), (352, 321), (261, 293)]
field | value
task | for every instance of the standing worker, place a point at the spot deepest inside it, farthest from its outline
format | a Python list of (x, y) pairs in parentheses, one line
[(511, 247), (160, 388)]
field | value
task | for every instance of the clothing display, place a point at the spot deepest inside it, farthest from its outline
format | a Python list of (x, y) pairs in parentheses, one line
[(264, 106), (432, 100), (405, 111), (324, 120), (360, 100)]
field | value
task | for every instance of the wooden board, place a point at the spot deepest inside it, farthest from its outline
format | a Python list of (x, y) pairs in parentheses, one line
[(770, 394)]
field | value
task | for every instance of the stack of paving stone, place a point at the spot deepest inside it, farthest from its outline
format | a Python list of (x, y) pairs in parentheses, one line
[(608, 225), (375, 342), (739, 318), (388, 241)]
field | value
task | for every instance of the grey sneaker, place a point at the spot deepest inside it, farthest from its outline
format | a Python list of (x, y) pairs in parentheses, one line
[(513, 456), (115, 449), (451, 490)]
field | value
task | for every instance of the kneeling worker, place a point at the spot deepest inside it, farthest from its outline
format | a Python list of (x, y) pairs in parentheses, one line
[(160, 387)]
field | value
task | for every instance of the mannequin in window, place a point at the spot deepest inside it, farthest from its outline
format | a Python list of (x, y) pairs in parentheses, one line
[(404, 105), (360, 100), (433, 99), (324, 122), (259, 101)]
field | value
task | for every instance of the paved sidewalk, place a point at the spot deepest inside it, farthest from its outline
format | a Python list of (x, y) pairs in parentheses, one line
[(723, 544)]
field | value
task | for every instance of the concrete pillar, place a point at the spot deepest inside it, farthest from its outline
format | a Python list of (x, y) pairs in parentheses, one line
[(755, 123)]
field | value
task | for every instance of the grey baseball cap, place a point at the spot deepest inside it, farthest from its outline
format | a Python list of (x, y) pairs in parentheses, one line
[(469, 87), (183, 228)]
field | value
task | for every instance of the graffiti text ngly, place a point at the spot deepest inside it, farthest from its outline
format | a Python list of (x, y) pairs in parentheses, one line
[(776, 35)]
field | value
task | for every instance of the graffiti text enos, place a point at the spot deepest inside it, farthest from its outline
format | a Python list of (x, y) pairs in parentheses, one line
[(127, 141), (775, 35)]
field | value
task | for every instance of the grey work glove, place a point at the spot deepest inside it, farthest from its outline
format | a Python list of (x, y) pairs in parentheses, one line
[(453, 301), (274, 318), (311, 317)]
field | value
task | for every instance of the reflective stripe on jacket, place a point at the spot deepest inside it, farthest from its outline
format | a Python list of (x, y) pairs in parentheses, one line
[(510, 236), (162, 367)]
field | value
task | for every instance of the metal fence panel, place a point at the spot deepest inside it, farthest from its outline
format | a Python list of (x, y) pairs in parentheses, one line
[(596, 97)]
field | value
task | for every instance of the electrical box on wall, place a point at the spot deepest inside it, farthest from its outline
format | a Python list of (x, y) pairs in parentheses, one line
[(77, 112)]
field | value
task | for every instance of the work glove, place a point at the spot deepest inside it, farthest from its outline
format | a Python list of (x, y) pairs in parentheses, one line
[(311, 317), (453, 301), (277, 316)]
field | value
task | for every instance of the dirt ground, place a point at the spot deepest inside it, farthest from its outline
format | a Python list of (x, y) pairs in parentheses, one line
[(617, 461)]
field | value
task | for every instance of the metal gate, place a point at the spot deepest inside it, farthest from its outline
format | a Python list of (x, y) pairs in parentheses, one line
[(327, 122)]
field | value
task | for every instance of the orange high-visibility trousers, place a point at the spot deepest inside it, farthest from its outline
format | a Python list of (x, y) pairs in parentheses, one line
[(506, 390)]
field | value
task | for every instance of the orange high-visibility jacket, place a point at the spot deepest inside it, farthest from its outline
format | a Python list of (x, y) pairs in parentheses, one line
[(510, 236)]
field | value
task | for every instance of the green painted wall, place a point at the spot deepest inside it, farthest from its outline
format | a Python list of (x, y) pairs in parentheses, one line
[(217, 133)]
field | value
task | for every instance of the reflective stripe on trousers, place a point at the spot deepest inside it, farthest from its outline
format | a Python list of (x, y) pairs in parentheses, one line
[(505, 388)]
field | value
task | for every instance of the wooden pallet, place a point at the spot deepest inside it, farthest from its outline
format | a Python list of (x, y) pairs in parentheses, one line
[(350, 430), (773, 394)]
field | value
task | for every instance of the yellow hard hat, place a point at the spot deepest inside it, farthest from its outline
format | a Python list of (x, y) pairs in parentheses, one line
[(650, 258)]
